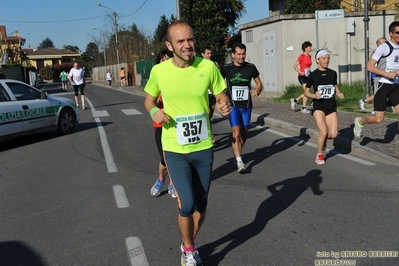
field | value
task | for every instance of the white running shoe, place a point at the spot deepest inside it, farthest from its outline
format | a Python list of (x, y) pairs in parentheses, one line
[(187, 259), (241, 167), (357, 129), (305, 110), (172, 191), (361, 104), (156, 188), (195, 254), (293, 103)]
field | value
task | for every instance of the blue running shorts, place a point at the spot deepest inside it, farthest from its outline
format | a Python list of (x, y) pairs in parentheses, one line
[(240, 117)]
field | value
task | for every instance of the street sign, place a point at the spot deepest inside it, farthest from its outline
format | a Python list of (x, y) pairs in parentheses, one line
[(325, 15), (329, 14)]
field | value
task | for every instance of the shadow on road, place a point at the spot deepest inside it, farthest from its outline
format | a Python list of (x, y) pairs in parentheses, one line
[(18, 253), (258, 156), (284, 194), (390, 134)]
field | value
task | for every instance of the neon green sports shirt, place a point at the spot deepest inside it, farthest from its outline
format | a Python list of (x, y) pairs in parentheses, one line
[(185, 98)]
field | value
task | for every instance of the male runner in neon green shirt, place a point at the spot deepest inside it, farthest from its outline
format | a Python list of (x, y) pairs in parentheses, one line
[(186, 136)]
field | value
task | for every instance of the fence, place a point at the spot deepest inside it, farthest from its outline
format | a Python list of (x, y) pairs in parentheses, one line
[(221, 58), (143, 69), (98, 73)]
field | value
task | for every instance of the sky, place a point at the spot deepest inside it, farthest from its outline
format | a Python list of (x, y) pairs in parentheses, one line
[(76, 22)]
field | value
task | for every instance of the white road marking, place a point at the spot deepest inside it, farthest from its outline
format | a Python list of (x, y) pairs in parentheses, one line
[(109, 158), (101, 113), (131, 112), (120, 197), (134, 245), (136, 252), (63, 93), (346, 156)]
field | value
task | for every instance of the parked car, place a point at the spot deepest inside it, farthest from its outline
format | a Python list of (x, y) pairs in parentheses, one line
[(26, 110)]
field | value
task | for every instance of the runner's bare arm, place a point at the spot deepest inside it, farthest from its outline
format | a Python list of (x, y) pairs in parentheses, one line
[(258, 88), (157, 115), (223, 104)]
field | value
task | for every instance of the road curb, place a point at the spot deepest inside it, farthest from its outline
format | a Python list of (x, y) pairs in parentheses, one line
[(345, 145)]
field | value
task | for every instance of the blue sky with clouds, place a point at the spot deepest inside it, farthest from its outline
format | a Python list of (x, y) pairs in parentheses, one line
[(71, 22)]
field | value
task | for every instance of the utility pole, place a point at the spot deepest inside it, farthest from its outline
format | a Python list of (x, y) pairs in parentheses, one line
[(366, 46), (115, 29), (178, 9), (116, 37), (105, 58)]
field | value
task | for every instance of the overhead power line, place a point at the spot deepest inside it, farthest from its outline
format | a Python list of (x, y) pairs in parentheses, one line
[(52, 21), (136, 9)]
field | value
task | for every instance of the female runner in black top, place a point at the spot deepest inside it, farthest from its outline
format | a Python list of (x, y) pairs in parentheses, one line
[(324, 105)]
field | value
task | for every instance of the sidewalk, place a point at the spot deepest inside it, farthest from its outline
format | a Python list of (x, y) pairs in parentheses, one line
[(380, 140)]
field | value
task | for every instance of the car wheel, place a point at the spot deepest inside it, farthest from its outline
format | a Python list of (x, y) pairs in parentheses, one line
[(66, 121)]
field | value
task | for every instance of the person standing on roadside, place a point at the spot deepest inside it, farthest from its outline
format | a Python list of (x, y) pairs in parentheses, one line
[(122, 75), (239, 75), (108, 77), (77, 80), (302, 66), (162, 56), (64, 80), (324, 106), (184, 81), (385, 64)]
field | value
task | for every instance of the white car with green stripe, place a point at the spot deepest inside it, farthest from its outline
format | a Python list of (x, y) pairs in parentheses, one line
[(26, 110)]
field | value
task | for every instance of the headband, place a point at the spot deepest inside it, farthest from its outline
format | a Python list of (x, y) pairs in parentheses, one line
[(321, 53)]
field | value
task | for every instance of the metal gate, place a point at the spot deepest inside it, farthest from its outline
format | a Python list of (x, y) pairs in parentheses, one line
[(131, 74), (144, 68)]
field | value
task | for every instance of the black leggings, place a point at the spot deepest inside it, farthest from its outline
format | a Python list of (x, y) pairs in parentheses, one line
[(158, 141)]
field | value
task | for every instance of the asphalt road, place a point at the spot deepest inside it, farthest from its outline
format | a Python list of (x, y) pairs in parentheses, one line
[(83, 199)]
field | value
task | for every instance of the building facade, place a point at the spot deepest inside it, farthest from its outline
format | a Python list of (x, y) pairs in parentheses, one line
[(358, 5), (348, 5), (10, 47), (50, 56)]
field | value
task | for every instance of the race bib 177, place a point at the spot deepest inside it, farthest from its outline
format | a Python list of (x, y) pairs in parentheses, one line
[(240, 93)]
